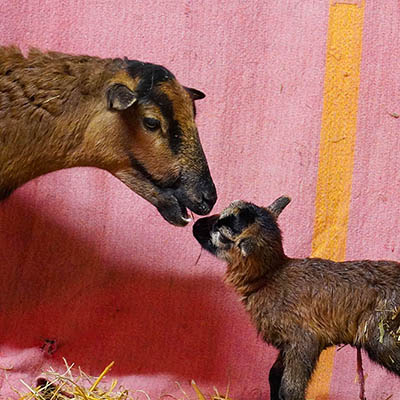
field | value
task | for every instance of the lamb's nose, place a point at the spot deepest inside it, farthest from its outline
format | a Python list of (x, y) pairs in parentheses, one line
[(202, 227)]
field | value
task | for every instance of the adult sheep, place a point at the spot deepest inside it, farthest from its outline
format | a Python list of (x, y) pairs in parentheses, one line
[(130, 118)]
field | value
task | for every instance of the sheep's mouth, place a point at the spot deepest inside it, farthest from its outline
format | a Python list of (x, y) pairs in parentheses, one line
[(172, 208), (177, 201), (174, 196)]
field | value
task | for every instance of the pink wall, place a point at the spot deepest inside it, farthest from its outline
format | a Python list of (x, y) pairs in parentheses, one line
[(373, 229), (91, 264)]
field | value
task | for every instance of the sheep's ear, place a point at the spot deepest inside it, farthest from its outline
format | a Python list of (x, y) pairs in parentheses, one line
[(195, 94), (120, 97), (278, 205), (246, 246)]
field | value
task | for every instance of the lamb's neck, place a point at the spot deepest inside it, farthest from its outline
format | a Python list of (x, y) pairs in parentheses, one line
[(251, 274)]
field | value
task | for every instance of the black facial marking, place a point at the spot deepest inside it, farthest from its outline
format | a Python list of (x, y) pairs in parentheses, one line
[(151, 76), (223, 239), (237, 223), (248, 216), (225, 221), (165, 105), (138, 166)]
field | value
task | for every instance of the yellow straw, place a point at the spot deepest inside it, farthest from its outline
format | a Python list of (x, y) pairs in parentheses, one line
[(198, 391), (101, 376)]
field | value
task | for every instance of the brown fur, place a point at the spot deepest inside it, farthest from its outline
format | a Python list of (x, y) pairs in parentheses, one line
[(54, 114), (302, 306)]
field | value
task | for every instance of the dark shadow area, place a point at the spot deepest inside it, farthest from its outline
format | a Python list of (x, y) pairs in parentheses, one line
[(57, 285)]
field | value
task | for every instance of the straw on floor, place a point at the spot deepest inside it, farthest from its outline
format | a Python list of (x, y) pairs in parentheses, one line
[(80, 386)]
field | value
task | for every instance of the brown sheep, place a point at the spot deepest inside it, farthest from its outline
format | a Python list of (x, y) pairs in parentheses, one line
[(130, 118), (302, 306)]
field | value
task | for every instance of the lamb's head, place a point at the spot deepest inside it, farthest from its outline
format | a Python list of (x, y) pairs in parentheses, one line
[(163, 160), (242, 231)]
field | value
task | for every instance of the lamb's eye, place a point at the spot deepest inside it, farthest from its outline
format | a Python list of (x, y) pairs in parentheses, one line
[(223, 239), (151, 124)]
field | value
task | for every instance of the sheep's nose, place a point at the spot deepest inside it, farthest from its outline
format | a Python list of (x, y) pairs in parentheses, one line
[(210, 196), (199, 195)]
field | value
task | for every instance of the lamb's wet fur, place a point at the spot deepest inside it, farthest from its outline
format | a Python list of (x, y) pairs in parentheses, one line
[(303, 306)]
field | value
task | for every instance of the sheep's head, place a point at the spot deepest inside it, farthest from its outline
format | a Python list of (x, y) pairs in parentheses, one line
[(162, 158), (242, 230)]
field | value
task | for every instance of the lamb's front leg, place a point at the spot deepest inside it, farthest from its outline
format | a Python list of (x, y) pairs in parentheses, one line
[(275, 377), (299, 361)]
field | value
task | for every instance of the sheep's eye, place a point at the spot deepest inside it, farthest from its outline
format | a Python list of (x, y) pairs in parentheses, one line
[(151, 124)]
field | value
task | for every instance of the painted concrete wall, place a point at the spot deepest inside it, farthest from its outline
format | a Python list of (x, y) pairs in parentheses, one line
[(90, 264)]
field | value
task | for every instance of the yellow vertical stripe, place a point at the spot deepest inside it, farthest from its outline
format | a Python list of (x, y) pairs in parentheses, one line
[(338, 133)]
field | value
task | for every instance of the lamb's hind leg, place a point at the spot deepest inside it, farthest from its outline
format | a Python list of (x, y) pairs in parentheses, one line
[(382, 338), (385, 351)]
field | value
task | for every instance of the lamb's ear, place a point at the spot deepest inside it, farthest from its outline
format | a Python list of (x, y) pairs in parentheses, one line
[(120, 97), (246, 246), (278, 205)]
